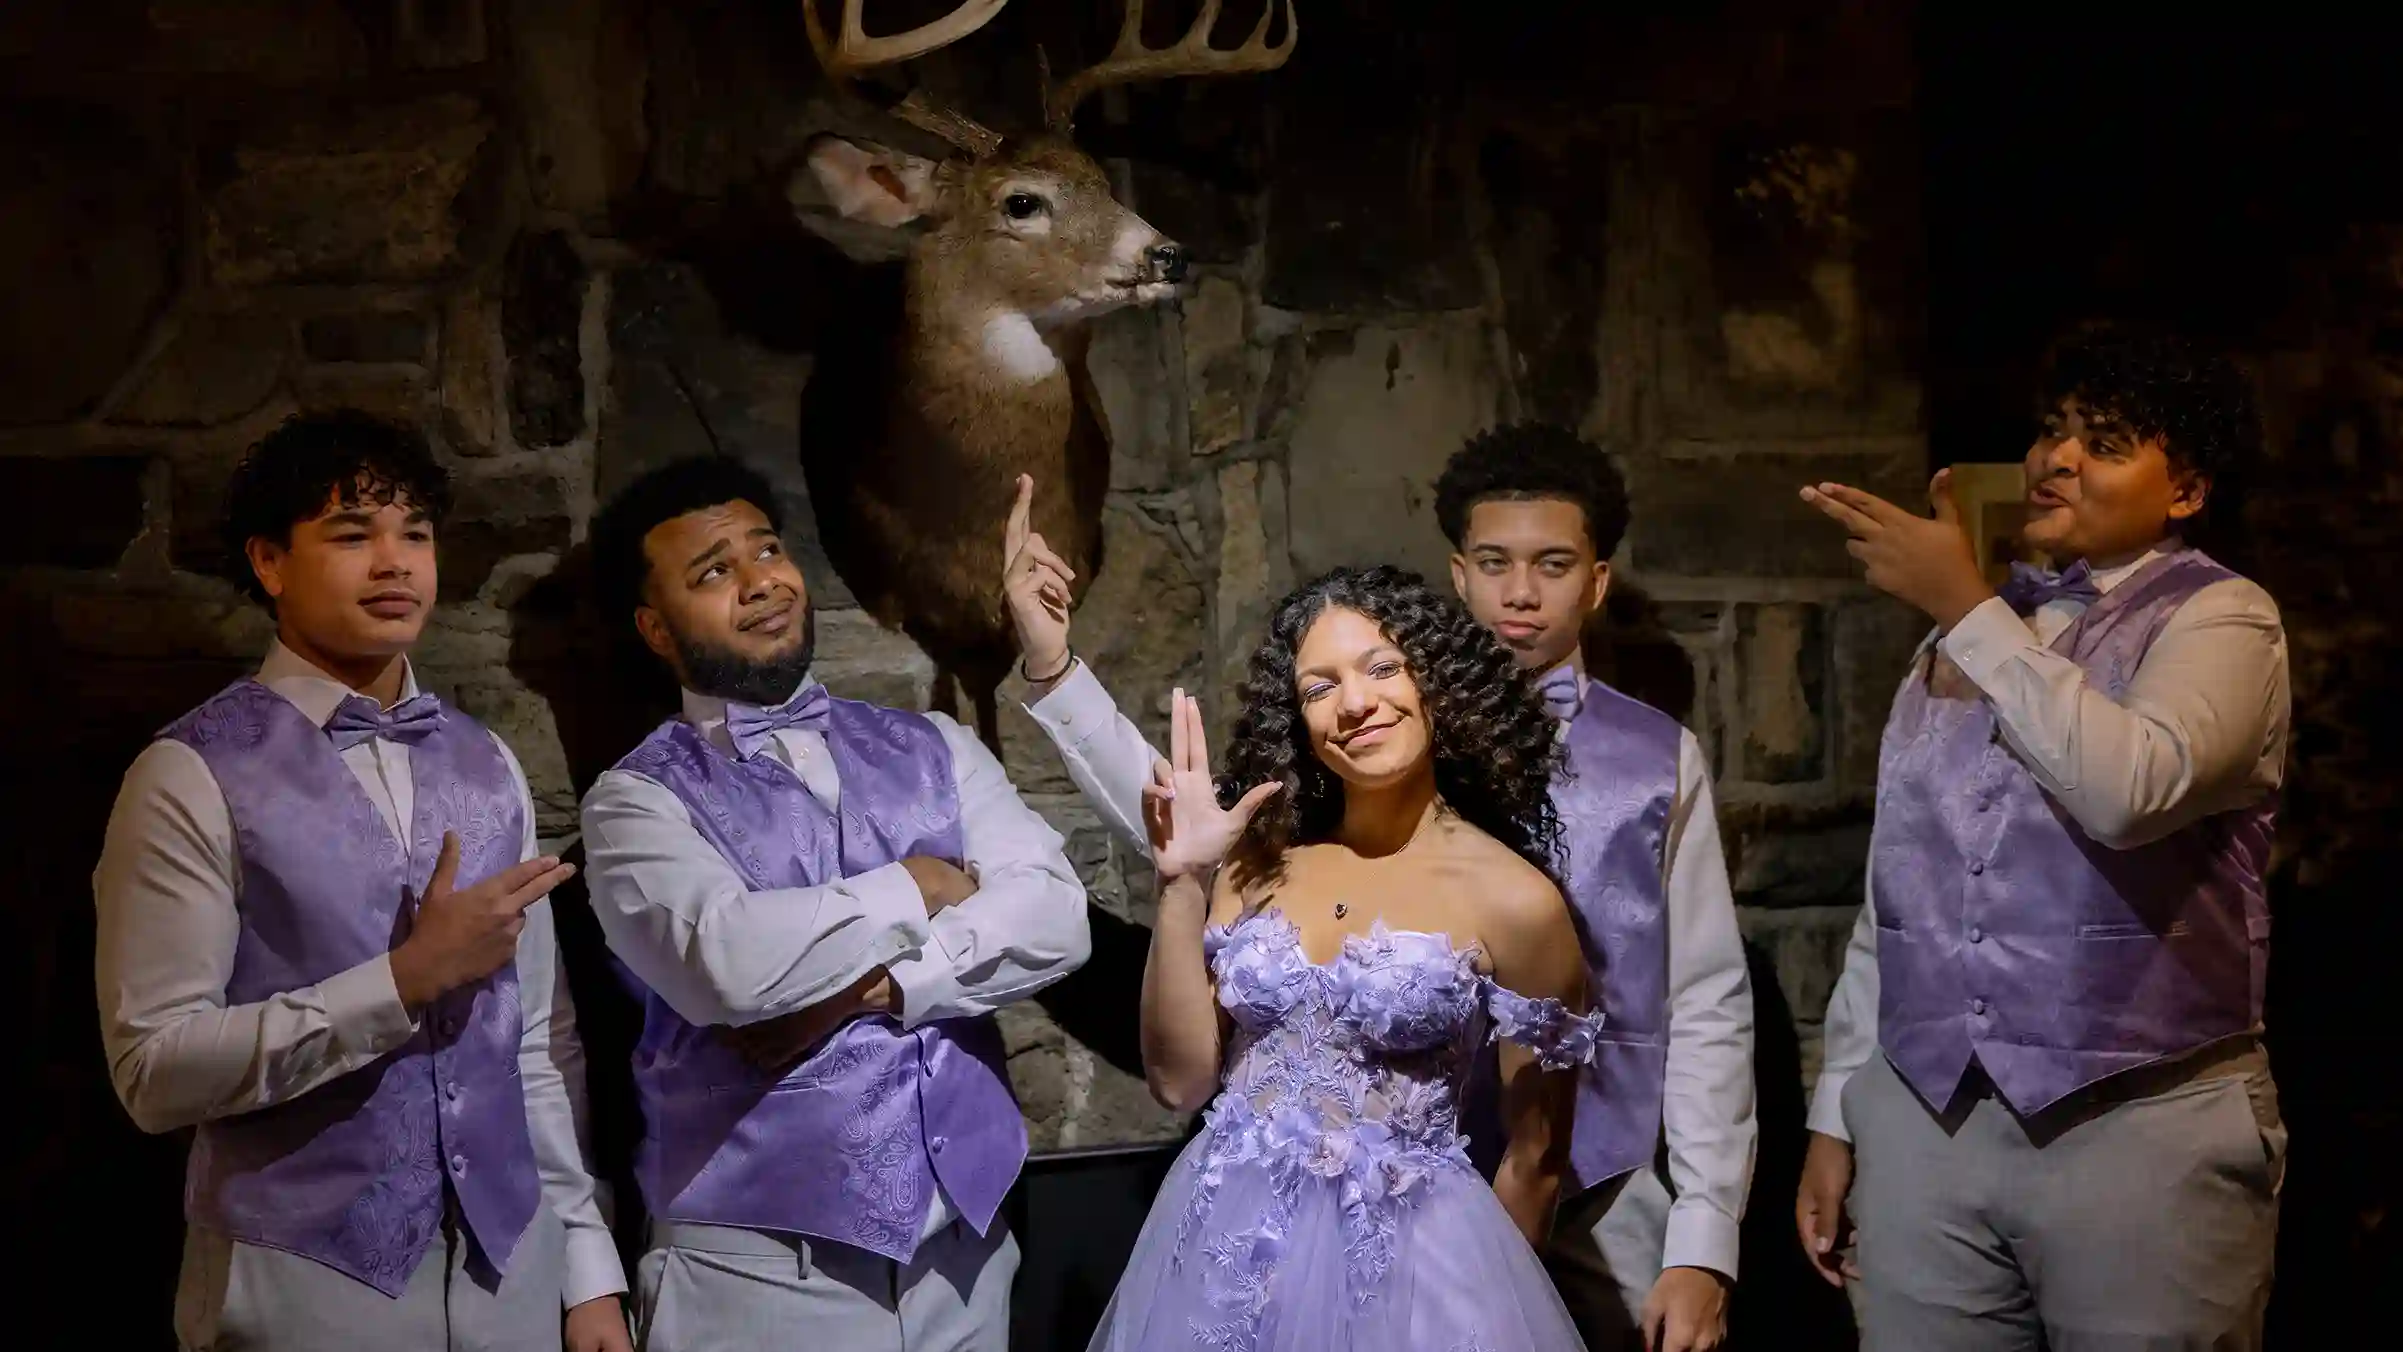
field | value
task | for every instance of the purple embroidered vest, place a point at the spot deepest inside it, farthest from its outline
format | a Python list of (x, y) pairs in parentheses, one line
[(352, 1172), (2008, 935), (1614, 795), (1614, 800), (850, 1144)]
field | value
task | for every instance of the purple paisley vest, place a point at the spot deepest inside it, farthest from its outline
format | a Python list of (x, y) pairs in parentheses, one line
[(352, 1173), (2007, 935), (1614, 798), (1614, 795), (850, 1144)]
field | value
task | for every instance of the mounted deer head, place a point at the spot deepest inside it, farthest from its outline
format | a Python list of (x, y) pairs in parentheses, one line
[(913, 436)]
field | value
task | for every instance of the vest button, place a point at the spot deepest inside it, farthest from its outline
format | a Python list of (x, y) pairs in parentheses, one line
[(935, 1145), (458, 1164), (1977, 1006), (1976, 935), (451, 1091), (1977, 866)]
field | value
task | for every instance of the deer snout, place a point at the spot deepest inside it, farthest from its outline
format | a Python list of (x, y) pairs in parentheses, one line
[(1165, 261)]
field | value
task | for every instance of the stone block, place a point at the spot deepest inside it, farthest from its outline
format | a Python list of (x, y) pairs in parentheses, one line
[(494, 517), (1805, 948), (371, 194), (542, 318), (861, 659), (1874, 639), (582, 74), (275, 40), (1547, 199), (69, 512), (1800, 267), (1218, 377), (1800, 867), (366, 336), (1141, 626), (214, 370), (470, 372), (1741, 515), (1128, 362), (1365, 213), (1373, 415), (1776, 700), (88, 232)]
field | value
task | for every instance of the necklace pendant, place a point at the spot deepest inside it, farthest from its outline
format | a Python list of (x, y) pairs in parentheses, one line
[(1342, 910)]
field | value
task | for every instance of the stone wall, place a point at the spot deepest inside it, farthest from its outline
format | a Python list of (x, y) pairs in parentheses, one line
[(554, 234)]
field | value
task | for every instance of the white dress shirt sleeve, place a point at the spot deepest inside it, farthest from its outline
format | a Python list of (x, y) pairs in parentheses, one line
[(1848, 1037), (1105, 754), (550, 1063), (164, 893), (1026, 925), (1707, 1108), (689, 925), (2201, 729)]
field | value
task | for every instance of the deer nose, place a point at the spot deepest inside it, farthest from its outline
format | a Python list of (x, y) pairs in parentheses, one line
[(1167, 261)]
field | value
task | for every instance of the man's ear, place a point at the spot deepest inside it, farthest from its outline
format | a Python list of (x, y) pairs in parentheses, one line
[(652, 626), (2190, 490), (868, 183), (266, 559), (1601, 583), (1460, 577)]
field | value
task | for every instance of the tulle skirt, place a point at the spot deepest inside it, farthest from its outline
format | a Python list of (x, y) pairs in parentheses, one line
[(1457, 1276)]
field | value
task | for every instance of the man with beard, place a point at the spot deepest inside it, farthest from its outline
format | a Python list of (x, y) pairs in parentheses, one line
[(819, 902)]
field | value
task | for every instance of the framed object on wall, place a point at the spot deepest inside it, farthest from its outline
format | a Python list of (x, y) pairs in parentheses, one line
[(1993, 501)]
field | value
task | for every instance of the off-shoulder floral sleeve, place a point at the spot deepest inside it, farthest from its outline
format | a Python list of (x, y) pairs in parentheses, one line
[(1560, 1040)]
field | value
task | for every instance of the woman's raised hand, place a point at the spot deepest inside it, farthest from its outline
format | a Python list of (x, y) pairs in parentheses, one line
[(1190, 833)]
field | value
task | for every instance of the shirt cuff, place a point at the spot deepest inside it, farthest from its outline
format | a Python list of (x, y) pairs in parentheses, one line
[(928, 981), (1985, 638), (1076, 708), (1702, 1236), (364, 1009), (1827, 1105), (592, 1268)]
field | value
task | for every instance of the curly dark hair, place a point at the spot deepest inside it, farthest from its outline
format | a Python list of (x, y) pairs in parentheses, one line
[(1494, 746), (620, 568), (1533, 460), (2159, 385), (313, 459)]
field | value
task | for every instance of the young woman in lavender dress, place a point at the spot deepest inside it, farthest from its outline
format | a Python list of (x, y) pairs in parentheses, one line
[(1346, 916)]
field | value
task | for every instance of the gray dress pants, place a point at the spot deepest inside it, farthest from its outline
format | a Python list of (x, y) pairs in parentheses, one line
[(2137, 1217), (237, 1297), (709, 1288)]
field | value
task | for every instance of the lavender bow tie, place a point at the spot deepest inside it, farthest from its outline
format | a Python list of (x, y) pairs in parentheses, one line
[(748, 726), (358, 719), (1563, 691), (2030, 587)]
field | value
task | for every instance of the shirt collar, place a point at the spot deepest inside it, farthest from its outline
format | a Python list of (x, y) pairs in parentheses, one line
[(707, 713), (310, 689), (2107, 578)]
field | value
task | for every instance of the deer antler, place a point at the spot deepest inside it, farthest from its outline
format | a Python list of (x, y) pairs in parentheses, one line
[(853, 52), (1130, 61)]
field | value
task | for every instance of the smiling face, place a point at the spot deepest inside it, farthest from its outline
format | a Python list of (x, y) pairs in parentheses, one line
[(1366, 719), (354, 582), (1527, 571), (724, 604), (2097, 491)]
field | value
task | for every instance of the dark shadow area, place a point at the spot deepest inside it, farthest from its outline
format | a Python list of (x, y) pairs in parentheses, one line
[(1629, 647), (1780, 1301)]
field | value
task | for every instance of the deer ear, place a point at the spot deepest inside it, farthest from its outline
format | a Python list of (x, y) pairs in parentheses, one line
[(872, 184)]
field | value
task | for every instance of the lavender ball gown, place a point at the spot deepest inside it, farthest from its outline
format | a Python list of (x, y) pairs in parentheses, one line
[(1329, 1204)]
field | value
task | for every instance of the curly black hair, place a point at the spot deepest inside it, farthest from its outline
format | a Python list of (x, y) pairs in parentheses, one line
[(1533, 460), (620, 568), (1494, 746), (315, 459), (2160, 386)]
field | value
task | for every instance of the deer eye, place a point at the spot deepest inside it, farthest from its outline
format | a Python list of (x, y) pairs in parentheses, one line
[(1020, 206)]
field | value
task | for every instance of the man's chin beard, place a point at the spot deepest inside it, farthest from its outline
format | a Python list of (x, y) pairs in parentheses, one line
[(722, 673)]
